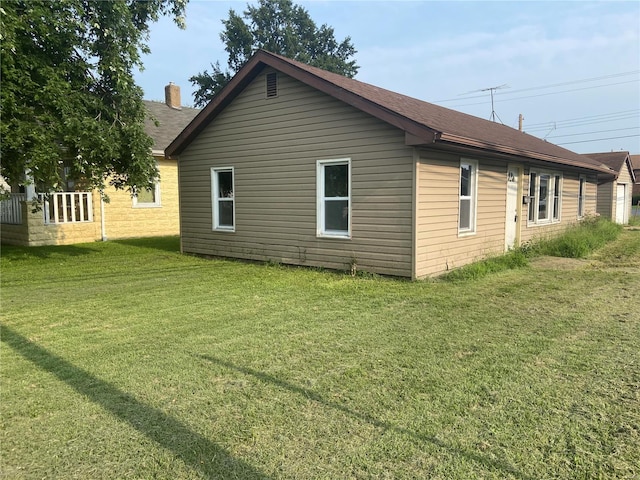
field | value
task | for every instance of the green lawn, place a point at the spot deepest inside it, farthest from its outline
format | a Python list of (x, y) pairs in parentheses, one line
[(129, 360)]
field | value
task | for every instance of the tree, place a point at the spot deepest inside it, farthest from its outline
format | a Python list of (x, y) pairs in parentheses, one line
[(280, 27), (68, 97)]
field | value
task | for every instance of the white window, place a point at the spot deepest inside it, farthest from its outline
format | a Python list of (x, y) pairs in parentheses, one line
[(334, 198), (545, 197), (147, 197), (582, 189), (222, 197), (468, 196)]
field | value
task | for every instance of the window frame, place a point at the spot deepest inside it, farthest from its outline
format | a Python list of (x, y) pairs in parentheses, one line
[(215, 199), (321, 230), (553, 197), (582, 195), (155, 204), (472, 197)]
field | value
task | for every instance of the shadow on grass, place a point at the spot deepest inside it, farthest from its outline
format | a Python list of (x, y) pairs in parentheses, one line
[(167, 244), (12, 252), (192, 448), (310, 394)]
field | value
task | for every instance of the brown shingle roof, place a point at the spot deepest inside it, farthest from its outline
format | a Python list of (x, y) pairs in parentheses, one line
[(613, 160), (171, 122), (616, 161), (426, 123)]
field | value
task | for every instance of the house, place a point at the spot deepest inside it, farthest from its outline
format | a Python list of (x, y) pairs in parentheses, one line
[(614, 189), (293, 164), (72, 216)]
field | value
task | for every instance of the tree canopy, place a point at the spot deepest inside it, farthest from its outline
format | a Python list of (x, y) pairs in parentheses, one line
[(280, 27), (68, 97)]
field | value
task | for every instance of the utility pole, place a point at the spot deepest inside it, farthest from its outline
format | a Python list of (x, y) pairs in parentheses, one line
[(520, 119)]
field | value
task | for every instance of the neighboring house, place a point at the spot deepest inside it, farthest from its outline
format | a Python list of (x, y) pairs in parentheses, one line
[(294, 164), (635, 163), (614, 190), (73, 217)]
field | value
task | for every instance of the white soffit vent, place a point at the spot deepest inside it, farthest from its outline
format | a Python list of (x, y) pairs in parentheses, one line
[(272, 85)]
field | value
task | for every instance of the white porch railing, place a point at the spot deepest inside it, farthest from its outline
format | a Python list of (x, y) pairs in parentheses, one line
[(11, 209), (67, 207)]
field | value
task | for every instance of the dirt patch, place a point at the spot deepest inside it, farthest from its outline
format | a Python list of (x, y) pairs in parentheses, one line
[(559, 263)]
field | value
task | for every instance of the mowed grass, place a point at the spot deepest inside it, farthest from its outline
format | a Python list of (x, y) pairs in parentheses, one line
[(129, 360)]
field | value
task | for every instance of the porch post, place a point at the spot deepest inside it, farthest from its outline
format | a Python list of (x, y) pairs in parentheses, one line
[(29, 187)]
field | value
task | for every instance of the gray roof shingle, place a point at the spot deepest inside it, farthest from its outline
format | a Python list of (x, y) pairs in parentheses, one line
[(171, 121)]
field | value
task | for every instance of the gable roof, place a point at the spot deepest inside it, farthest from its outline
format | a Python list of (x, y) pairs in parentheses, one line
[(424, 123), (635, 162), (171, 121), (616, 161)]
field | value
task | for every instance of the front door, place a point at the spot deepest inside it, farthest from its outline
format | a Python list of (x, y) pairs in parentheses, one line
[(621, 204), (511, 221)]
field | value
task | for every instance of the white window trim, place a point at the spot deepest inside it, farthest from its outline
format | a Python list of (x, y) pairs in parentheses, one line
[(156, 204), (320, 199), (463, 232), (536, 198), (214, 199), (581, 212)]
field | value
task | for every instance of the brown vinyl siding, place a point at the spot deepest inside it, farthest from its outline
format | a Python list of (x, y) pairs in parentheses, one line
[(439, 246), (273, 145)]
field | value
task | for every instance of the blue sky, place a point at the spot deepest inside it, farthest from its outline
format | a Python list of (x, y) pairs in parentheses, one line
[(572, 69)]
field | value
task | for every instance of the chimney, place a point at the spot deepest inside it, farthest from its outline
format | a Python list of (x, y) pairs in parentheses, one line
[(172, 96)]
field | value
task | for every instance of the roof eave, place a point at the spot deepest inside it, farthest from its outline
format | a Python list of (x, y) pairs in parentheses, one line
[(504, 149), (263, 59), (239, 81)]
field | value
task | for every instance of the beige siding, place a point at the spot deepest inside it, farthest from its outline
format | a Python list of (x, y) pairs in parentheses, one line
[(625, 175), (607, 194), (439, 246), (606, 197), (273, 145), (123, 220), (626, 179)]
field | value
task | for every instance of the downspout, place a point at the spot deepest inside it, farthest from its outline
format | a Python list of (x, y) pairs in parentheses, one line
[(103, 227), (414, 213)]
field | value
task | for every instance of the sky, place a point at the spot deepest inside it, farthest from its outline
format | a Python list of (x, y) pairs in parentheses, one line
[(572, 69)]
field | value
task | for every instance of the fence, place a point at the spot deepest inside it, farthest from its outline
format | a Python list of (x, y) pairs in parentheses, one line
[(11, 209), (67, 207)]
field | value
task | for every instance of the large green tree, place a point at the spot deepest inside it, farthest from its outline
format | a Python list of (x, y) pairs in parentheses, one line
[(280, 27), (68, 96)]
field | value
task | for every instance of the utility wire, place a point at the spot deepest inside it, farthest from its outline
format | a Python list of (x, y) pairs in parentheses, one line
[(557, 126), (597, 139), (545, 94), (511, 92), (637, 110), (591, 133)]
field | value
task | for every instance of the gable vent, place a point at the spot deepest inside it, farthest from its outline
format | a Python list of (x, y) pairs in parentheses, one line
[(272, 85)]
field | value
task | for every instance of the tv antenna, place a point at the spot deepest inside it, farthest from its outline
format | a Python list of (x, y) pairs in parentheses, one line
[(493, 115)]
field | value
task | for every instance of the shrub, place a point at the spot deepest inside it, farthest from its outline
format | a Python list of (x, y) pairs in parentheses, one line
[(579, 240)]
